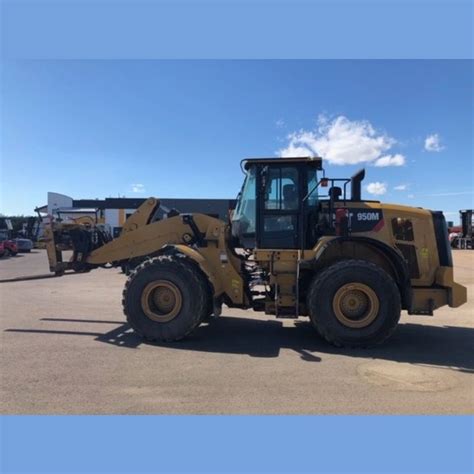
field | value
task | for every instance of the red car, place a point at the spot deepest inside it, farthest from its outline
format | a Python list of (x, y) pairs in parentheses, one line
[(10, 247)]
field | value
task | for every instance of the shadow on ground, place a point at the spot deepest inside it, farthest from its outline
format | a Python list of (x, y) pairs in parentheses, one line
[(444, 346)]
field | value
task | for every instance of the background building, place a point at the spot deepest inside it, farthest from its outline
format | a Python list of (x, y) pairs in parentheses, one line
[(115, 211)]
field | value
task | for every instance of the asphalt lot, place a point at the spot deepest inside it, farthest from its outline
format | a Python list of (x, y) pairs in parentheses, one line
[(65, 349)]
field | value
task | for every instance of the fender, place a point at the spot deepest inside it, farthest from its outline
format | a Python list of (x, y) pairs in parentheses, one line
[(200, 261)]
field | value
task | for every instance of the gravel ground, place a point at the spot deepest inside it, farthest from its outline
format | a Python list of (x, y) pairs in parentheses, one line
[(66, 349)]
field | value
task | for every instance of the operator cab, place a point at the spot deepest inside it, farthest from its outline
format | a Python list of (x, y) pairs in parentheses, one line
[(273, 201), (279, 206)]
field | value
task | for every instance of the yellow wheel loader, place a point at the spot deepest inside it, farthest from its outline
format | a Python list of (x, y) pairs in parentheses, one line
[(297, 244)]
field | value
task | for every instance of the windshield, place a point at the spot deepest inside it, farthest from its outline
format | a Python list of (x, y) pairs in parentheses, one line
[(244, 216)]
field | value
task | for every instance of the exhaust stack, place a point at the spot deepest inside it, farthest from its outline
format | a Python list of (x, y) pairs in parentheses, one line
[(356, 179)]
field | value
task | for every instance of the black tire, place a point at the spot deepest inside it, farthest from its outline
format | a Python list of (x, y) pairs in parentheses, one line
[(321, 296), (178, 271), (130, 265), (81, 269)]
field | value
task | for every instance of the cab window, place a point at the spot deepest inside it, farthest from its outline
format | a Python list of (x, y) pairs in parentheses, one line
[(281, 188), (312, 190)]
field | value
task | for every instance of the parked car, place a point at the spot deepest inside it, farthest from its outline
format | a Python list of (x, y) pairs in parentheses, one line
[(24, 245), (2, 250), (10, 247)]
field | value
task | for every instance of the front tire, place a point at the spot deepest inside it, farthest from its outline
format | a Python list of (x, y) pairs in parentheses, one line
[(354, 303), (165, 298)]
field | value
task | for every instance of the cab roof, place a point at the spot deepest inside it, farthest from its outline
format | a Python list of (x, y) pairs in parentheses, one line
[(313, 160)]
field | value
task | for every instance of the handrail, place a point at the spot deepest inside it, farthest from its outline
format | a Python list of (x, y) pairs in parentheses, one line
[(332, 180)]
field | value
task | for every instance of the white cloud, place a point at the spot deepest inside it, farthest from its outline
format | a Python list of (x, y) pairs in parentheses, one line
[(343, 142), (401, 187), (280, 123), (411, 196), (294, 151), (391, 160), (433, 143), (376, 188), (138, 188)]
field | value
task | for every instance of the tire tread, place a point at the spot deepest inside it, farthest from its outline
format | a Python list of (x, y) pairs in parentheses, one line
[(191, 273)]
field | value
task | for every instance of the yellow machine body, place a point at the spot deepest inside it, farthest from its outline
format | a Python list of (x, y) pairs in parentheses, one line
[(241, 264), (432, 286)]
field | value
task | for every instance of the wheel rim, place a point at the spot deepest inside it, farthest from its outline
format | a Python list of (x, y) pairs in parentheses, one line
[(355, 305), (161, 301)]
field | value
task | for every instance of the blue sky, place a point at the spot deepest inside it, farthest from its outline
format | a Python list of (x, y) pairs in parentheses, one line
[(93, 129)]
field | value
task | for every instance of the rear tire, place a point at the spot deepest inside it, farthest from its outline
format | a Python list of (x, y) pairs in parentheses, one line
[(354, 303), (165, 298)]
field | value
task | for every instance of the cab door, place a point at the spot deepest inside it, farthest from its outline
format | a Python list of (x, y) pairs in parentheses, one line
[(279, 205)]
